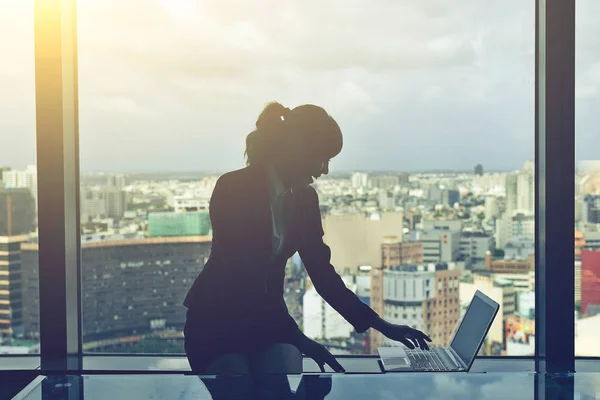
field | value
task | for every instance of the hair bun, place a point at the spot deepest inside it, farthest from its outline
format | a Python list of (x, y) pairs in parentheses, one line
[(273, 114)]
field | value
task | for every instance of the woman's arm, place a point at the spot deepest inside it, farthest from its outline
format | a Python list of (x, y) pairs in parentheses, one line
[(316, 256)]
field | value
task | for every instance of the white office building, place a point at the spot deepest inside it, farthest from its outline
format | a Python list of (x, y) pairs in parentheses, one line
[(189, 203), (474, 247), (520, 190), (491, 209), (320, 320), (439, 246), (360, 180), (22, 179), (513, 225), (102, 202)]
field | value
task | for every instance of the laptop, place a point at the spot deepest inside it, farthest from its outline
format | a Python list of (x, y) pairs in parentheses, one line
[(462, 351)]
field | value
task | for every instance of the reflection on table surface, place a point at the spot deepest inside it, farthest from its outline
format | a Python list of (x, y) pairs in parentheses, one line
[(421, 386)]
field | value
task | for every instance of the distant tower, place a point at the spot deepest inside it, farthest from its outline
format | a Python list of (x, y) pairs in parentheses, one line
[(479, 169)]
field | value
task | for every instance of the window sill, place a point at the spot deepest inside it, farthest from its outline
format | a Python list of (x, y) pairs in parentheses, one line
[(179, 364)]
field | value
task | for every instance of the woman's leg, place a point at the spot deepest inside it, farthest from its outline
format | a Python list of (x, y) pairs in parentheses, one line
[(270, 366), (233, 379), (278, 358)]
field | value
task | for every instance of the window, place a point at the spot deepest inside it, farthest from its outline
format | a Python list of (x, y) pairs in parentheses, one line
[(155, 102), (587, 183), (19, 320)]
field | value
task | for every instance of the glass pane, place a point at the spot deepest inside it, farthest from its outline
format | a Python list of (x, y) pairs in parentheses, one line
[(19, 319), (587, 189), (436, 107), (332, 387)]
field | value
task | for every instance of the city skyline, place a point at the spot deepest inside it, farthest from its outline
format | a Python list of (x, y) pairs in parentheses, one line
[(380, 229), (414, 86)]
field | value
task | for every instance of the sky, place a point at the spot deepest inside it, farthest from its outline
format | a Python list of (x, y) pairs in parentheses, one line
[(176, 85)]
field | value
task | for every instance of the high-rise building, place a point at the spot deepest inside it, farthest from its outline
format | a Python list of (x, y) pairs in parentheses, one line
[(439, 245), (116, 202), (591, 209), (442, 195), (511, 193), (104, 202), (434, 194), (118, 181), (514, 225), (450, 197), (520, 190), (17, 220), (491, 208), (22, 179), (17, 212), (129, 287), (11, 303), (355, 239), (473, 248), (479, 169), (526, 191), (424, 297), (404, 178), (590, 280), (360, 180), (526, 304), (386, 200), (384, 182), (92, 203)]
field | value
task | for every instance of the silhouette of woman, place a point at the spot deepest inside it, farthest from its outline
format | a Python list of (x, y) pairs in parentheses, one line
[(237, 321)]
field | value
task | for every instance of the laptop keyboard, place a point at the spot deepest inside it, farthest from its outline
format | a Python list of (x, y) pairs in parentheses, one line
[(428, 360)]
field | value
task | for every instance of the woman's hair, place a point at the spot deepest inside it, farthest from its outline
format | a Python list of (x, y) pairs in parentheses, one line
[(277, 127)]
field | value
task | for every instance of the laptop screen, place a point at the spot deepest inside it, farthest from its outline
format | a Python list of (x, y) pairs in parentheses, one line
[(474, 327)]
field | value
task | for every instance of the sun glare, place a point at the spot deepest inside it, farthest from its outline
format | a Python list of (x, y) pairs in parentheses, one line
[(179, 8)]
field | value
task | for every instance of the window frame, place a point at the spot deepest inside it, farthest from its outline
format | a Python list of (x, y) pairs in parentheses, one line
[(58, 185)]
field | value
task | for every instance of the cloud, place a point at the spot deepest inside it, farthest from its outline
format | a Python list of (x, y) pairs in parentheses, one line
[(407, 80), (313, 35)]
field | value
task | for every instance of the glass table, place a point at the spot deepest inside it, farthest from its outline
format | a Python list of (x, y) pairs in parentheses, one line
[(417, 386)]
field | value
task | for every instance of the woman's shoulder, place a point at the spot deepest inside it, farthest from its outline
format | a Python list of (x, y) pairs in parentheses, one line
[(243, 175), (309, 195), (239, 185)]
